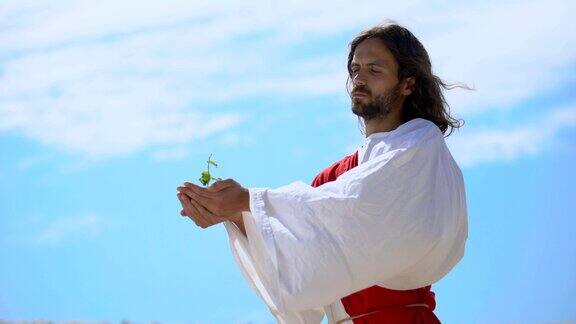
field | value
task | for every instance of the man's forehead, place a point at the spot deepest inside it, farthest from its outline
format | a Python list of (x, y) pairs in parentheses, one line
[(371, 61), (372, 51)]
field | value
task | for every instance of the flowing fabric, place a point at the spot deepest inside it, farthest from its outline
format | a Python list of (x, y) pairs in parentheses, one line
[(397, 220), (390, 303)]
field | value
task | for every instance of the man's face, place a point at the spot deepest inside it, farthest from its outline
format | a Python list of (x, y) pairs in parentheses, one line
[(374, 74)]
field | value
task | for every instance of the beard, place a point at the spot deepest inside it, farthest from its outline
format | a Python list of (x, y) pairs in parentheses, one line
[(380, 106)]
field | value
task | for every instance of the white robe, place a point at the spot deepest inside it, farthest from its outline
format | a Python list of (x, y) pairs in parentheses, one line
[(398, 220)]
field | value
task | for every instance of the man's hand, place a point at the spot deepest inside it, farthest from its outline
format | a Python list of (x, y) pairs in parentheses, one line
[(223, 200)]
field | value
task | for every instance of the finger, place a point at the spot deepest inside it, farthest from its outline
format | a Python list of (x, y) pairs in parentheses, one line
[(189, 209), (189, 192), (196, 216), (199, 190), (208, 203), (200, 217), (199, 213), (220, 185), (209, 217), (184, 214), (185, 210)]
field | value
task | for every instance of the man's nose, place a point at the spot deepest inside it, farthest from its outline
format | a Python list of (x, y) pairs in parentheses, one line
[(358, 79)]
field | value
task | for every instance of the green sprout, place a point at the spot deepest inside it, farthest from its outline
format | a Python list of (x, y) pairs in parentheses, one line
[(206, 176)]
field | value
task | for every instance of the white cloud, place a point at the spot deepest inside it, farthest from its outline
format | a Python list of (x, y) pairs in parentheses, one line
[(505, 145), (107, 79), (64, 229), (511, 52), (236, 139)]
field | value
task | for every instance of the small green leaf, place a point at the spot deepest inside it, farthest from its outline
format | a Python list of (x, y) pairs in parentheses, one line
[(205, 178)]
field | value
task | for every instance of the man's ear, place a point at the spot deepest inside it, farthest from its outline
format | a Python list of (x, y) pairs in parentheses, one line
[(408, 85)]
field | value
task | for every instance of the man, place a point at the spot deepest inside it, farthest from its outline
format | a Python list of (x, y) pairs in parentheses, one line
[(365, 242)]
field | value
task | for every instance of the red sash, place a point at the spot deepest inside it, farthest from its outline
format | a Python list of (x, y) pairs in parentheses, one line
[(389, 304)]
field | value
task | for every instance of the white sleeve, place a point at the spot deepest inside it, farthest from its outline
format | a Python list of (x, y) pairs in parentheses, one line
[(241, 252), (398, 220)]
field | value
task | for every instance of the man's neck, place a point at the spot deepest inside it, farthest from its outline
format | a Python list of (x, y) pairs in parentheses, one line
[(382, 124)]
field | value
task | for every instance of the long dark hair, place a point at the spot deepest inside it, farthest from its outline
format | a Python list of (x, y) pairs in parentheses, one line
[(426, 100)]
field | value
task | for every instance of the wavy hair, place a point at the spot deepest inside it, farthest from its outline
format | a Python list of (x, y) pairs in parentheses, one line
[(427, 99)]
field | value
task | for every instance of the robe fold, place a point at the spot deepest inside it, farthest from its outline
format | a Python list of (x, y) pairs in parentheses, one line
[(385, 305), (394, 218)]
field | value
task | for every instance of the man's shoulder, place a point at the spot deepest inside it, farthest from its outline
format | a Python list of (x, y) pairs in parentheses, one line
[(420, 127), (412, 134)]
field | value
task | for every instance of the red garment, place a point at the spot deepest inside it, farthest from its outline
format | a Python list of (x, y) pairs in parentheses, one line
[(389, 302)]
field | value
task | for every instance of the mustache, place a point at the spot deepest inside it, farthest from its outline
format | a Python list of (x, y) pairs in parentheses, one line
[(362, 89)]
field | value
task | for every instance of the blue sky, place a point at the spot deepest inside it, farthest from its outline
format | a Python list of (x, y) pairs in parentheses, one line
[(105, 108)]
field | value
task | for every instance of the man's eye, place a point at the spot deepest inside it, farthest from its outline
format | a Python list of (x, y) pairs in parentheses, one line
[(375, 71)]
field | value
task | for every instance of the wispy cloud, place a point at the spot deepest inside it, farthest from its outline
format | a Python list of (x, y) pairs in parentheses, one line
[(505, 145), (106, 79), (511, 51), (70, 228)]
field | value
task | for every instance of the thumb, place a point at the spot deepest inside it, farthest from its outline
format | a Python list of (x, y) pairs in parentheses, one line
[(222, 184), (217, 186)]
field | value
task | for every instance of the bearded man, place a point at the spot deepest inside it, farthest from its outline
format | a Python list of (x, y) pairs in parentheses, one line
[(367, 239)]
